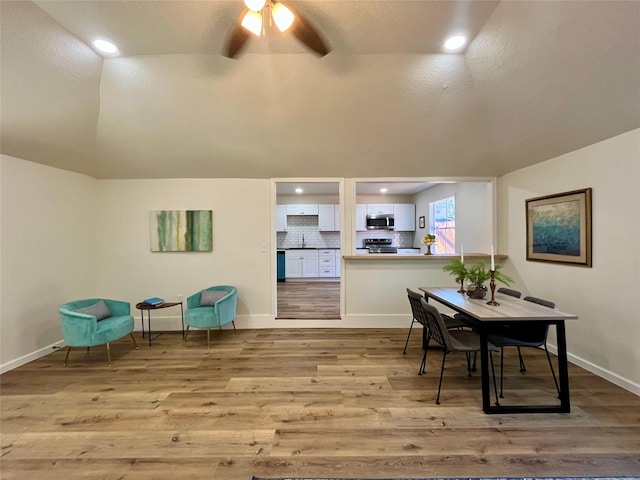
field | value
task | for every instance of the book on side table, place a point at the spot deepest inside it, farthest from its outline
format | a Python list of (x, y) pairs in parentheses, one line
[(155, 301)]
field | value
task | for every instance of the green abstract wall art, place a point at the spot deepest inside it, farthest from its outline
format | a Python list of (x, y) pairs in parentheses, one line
[(181, 230)]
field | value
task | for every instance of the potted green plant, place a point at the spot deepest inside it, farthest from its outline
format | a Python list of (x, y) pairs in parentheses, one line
[(477, 275), (457, 269)]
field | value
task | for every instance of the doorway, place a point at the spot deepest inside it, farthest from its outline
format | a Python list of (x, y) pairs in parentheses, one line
[(308, 249)]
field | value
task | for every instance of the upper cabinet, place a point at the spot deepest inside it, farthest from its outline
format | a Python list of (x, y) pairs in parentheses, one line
[(404, 216), (281, 218), (329, 218), (303, 209), (380, 208), (361, 217)]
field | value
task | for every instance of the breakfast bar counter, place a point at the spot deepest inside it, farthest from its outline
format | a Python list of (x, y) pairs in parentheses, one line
[(472, 257)]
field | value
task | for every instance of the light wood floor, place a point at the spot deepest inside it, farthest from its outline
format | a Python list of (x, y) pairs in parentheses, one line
[(309, 300), (299, 402)]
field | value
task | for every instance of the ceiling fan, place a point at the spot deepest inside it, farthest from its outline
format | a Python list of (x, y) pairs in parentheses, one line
[(251, 22)]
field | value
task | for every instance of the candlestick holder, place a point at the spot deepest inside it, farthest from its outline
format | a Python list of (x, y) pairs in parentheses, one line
[(492, 286), (462, 290)]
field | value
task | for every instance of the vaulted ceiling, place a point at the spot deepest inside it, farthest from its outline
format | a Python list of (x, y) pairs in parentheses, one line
[(538, 79)]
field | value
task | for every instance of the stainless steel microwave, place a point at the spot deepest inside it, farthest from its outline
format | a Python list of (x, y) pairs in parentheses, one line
[(380, 222)]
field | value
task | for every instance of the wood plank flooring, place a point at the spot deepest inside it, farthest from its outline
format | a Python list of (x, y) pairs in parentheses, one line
[(309, 300), (300, 402)]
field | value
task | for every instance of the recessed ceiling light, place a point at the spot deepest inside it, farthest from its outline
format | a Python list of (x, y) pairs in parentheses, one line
[(383, 190), (299, 190), (105, 46), (455, 43)]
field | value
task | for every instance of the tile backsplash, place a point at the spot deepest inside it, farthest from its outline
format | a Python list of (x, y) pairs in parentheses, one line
[(399, 239), (307, 225)]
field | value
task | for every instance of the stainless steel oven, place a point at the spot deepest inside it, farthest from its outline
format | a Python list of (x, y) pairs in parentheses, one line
[(379, 245)]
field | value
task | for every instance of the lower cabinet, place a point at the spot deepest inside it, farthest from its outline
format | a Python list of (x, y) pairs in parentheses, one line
[(301, 263), (312, 263), (327, 263)]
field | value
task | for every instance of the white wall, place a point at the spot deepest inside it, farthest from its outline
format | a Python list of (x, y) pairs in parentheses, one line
[(241, 223), (606, 337), (474, 213), (48, 253)]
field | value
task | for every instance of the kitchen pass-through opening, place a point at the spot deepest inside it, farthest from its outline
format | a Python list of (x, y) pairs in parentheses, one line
[(308, 250)]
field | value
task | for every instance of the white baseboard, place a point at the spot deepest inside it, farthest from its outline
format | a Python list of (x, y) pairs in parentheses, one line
[(599, 371), (5, 367)]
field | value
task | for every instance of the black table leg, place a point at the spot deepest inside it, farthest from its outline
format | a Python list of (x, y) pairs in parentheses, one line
[(565, 404), (182, 319), (484, 369), (149, 320)]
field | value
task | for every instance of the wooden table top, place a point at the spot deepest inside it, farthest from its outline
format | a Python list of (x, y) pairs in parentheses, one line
[(510, 308)]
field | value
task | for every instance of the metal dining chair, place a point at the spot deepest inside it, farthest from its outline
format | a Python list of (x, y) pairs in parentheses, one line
[(452, 340), (416, 313), (533, 335)]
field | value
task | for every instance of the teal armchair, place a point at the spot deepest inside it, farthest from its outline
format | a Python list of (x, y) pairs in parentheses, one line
[(211, 308), (89, 323)]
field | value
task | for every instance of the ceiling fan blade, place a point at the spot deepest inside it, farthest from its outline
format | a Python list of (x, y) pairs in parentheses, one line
[(308, 35), (237, 39)]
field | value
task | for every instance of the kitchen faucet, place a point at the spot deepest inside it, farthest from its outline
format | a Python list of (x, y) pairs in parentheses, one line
[(303, 242)]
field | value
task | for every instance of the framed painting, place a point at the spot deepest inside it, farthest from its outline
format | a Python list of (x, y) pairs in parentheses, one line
[(559, 228), (420, 222), (181, 230)]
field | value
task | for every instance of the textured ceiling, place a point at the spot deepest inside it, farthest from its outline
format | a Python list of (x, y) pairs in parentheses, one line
[(537, 80)]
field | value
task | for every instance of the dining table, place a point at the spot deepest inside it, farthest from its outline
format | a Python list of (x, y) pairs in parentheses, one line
[(485, 319)]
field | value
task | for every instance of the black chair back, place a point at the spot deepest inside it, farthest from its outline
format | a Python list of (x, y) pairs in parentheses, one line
[(509, 291), (416, 308)]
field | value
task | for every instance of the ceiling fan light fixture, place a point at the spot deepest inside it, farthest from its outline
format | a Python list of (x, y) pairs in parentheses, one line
[(282, 16), (252, 21), (255, 5)]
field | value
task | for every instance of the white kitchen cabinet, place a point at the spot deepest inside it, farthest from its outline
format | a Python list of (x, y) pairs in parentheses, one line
[(361, 217), (379, 208), (281, 218), (338, 262), (404, 217), (301, 263), (327, 218), (302, 209)]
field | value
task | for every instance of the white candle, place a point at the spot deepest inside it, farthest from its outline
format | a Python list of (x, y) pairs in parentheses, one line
[(461, 253), (493, 263)]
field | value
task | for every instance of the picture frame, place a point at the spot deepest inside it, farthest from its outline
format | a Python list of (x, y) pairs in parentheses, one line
[(421, 222), (559, 228), (181, 230)]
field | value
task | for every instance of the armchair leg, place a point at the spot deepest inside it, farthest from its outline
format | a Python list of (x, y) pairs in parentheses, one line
[(108, 354), (208, 334), (186, 333), (134, 340), (87, 350), (234, 326), (67, 356)]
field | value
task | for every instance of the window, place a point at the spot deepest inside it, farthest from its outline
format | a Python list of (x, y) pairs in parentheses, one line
[(442, 222)]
